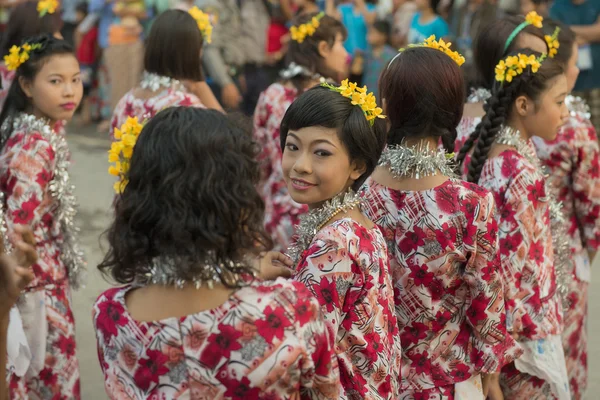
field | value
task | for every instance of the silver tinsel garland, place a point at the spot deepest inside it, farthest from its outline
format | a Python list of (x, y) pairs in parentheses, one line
[(295, 70), (479, 95), (154, 82), (62, 191), (563, 263), (312, 222), (577, 107), (3, 227), (417, 161)]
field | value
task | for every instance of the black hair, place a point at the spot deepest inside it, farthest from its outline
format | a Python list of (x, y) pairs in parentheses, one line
[(191, 197), (25, 22), (173, 47), (82, 8), (424, 90), (498, 108), (326, 108), (488, 48), (382, 26), (434, 4), (16, 100), (566, 39), (307, 53)]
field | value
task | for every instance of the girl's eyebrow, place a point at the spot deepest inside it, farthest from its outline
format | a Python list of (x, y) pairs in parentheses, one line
[(314, 142)]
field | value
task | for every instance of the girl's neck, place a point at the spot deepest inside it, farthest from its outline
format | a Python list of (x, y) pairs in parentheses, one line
[(517, 125), (426, 15), (40, 115)]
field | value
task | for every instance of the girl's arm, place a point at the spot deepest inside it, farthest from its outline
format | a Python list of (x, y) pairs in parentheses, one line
[(205, 94), (331, 10)]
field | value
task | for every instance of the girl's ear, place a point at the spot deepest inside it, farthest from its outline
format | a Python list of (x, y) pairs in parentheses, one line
[(357, 169), (523, 105), (323, 48), (25, 86)]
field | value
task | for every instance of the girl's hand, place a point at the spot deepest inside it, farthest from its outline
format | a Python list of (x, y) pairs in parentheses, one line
[(274, 264)]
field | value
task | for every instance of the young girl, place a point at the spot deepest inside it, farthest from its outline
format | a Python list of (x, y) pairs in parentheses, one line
[(329, 149), (173, 69), (573, 162), (34, 178), (527, 100), (441, 234), (310, 59), (192, 321), (24, 22)]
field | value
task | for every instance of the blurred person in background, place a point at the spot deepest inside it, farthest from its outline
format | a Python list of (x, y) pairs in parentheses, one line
[(402, 15), (427, 22), (541, 7), (379, 54)]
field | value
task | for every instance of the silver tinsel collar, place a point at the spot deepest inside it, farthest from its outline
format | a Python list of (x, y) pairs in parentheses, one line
[(154, 82), (294, 70), (479, 95), (62, 191), (312, 222), (563, 264), (577, 107), (417, 161)]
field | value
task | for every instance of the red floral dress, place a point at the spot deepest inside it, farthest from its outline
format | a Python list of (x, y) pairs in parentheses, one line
[(573, 160), (28, 164), (534, 311), (267, 341), (6, 77), (282, 213), (346, 268), (449, 296)]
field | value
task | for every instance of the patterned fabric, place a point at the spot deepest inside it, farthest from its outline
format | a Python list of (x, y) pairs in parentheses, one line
[(6, 78), (267, 340), (450, 307), (517, 385), (132, 106), (592, 98), (346, 268), (282, 213), (466, 126), (27, 166), (575, 338)]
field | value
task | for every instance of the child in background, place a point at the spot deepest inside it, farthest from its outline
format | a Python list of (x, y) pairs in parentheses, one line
[(379, 55), (539, 6), (427, 22), (87, 55), (404, 12)]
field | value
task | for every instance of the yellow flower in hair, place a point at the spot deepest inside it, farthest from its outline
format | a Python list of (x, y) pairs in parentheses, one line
[(18, 55), (121, 151), (359, 96), (512, 66), (553, 43), (534, 19), (203, 21), (442, 46), (299, 33), (47, 7)]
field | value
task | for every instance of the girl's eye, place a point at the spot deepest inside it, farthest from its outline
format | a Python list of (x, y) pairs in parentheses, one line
[(77, 80), (54, 81), (291, 147), (322, 153)]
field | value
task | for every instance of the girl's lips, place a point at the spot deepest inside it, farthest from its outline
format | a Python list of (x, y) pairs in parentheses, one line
[(299, 184), (68, 106)]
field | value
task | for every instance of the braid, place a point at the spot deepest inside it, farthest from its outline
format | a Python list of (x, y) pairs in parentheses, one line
[(448, 140), (467, 146), (490, 126)]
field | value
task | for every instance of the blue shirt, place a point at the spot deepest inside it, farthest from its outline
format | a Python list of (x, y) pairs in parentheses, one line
[(374, 66), (356, 25), (419, 32), (107, 17), (583, 14)]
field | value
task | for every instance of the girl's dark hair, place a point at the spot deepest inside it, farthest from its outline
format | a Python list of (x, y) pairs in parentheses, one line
[(25, 22), (566, 39), (424, 90), (307, 52), (498, 109), (173, 47), (323, 107), (16, 100), (488, 48), (190, 197)]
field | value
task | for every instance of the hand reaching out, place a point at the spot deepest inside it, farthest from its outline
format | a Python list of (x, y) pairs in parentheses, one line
[(274, 264)]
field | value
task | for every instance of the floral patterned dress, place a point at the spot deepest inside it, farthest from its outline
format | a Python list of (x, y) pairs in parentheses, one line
[(573, 160), (534, 311), (442, 244), (282, 213), (27, 168), (268, 340), (346, 268), (6, 77)]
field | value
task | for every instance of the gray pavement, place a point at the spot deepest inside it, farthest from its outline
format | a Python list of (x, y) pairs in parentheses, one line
[(94, 189)]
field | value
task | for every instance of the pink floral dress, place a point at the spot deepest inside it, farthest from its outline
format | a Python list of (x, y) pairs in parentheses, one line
[(267, 341), (442, 244), (573, 160), (27, 168), (346, 269), (534, 311), (6, 77), (282, 213)]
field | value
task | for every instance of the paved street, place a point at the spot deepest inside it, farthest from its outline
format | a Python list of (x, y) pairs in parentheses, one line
[(94, 188)]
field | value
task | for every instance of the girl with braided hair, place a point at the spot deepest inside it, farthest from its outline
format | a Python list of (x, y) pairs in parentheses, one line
[(528, 99), (441, 235)]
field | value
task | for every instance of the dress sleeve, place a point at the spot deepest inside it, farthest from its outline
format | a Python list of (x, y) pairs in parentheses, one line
[(28, 174), (586, 185), (492, 346)]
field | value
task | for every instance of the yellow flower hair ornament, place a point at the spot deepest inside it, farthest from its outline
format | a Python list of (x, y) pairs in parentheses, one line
[(359, 97), (121, 151), (299, 33), (442, 46), (512, 66), (530, 19), (534, 19), (203, 21), (17, 55), (553, 43), (47, 7)]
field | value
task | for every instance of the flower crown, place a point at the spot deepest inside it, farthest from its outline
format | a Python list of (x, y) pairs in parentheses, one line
[(17, 55), (121, 151), (443, 47), (359, 97), (299, 33), (530, 19), (512, 66), (47, 7), (203, 21), (552, 42)]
